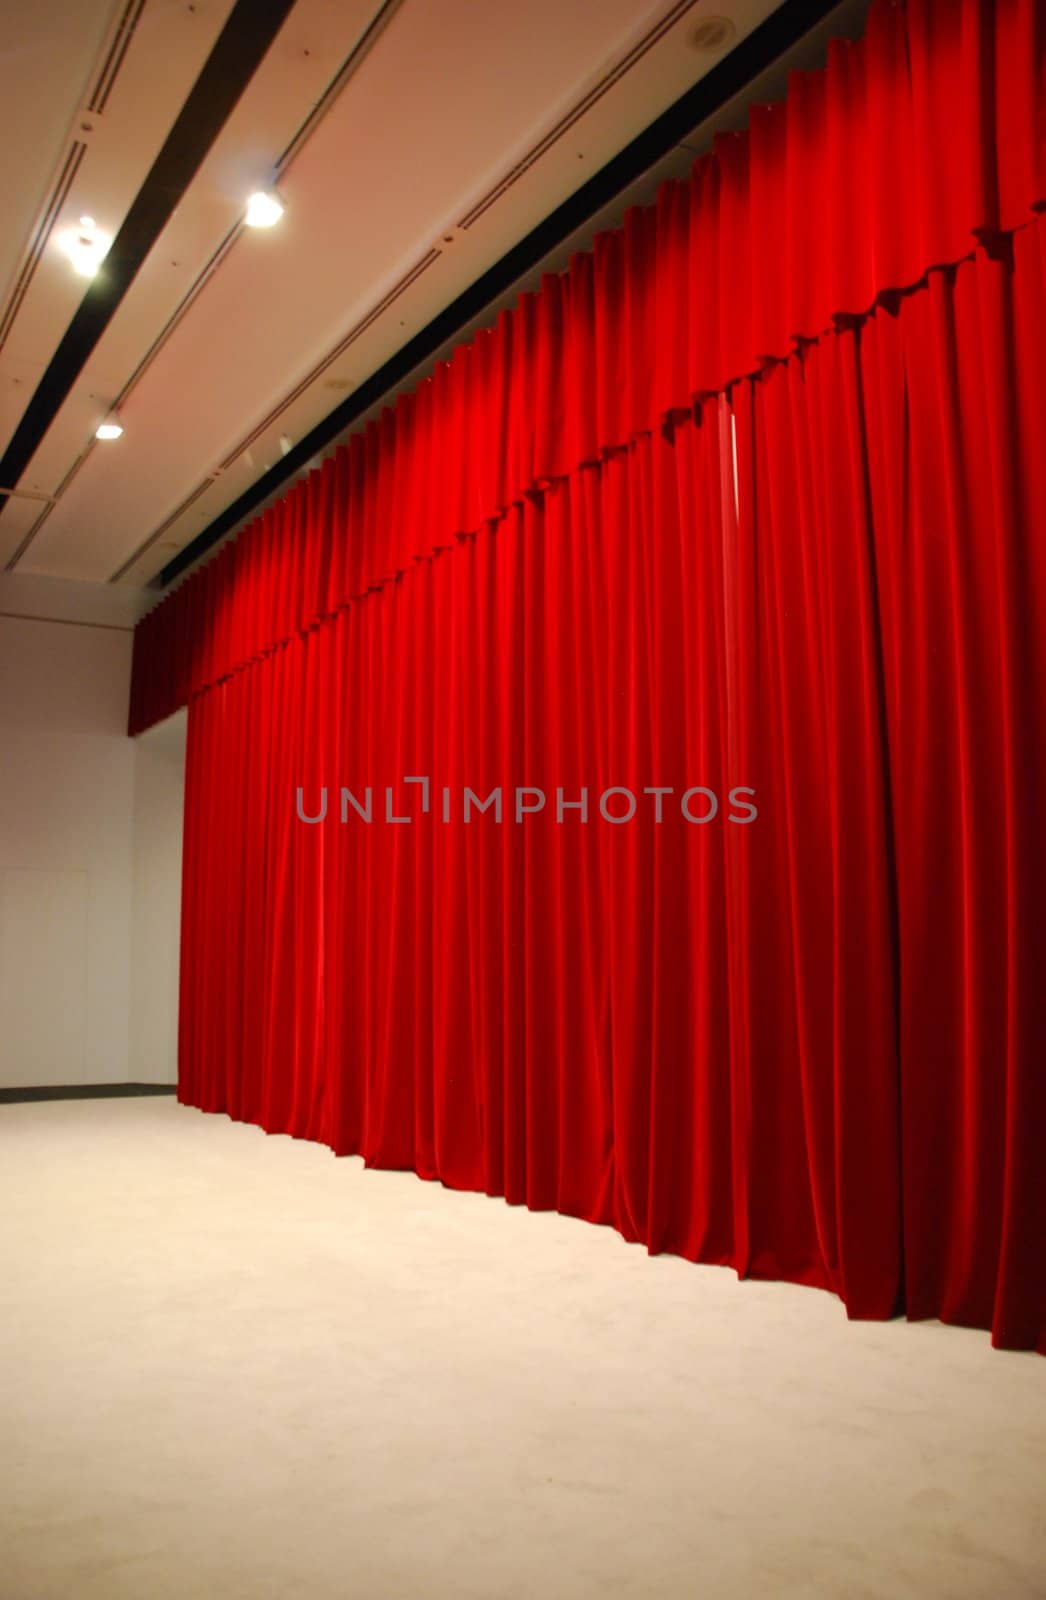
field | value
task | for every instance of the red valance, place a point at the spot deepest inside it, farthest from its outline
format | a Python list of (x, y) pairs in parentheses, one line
[(911, 146)]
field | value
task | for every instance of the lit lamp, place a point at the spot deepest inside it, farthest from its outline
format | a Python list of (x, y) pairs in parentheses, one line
[(86, 246), (264, 209)]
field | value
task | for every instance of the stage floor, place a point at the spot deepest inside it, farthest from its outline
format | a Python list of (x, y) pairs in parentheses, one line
[(234, 1366)]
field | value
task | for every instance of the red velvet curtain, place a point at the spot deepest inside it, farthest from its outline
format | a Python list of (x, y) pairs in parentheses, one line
[(807, 1045), (596, 1016)]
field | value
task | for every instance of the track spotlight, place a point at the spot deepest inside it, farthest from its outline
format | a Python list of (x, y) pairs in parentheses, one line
[(85, 245), (264, 208)]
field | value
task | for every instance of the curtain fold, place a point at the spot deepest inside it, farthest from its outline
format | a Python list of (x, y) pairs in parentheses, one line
[(807, 1046), (959, 496), (915, 143)]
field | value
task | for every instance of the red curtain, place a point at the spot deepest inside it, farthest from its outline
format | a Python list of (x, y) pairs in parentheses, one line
[(589, 556), (596, 1016)]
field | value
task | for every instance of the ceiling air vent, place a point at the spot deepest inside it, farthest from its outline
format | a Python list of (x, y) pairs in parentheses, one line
[(37, 244), (712, 33), (114, 59)]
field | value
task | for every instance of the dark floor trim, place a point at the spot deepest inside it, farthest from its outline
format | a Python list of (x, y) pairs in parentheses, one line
[(247, 35), (781, 30), (84, 1091)]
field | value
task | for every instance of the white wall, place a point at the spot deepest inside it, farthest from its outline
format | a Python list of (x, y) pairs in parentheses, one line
[(66, 813), (90, 845), (159, 780)]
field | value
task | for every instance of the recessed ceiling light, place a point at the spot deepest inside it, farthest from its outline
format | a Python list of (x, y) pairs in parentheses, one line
[(264, 208), (111, 428), (86, 246)]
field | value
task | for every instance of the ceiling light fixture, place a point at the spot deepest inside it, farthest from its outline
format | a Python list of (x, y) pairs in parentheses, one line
[(85, 245), (264, 208), (111, 428)]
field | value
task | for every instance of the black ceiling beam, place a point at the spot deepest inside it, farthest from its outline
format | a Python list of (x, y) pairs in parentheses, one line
[(238, 51), (781, 30)]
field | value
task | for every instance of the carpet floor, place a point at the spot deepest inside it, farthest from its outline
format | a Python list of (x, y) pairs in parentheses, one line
[(234, 1367)]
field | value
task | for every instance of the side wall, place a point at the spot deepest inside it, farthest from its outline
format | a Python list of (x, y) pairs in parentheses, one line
[(90, 861), (159, 782)]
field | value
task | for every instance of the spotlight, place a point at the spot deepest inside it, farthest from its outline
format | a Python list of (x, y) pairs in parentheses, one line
[(85, 245), (264, 209), (111, 428)]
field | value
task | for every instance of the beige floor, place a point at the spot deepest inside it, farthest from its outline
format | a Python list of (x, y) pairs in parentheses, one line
[(234, 1367)]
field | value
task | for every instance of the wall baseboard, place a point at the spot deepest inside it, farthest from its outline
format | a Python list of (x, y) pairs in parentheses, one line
[(84, 1091)]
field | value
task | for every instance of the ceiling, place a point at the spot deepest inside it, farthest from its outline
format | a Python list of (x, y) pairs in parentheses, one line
[(414, 142)]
